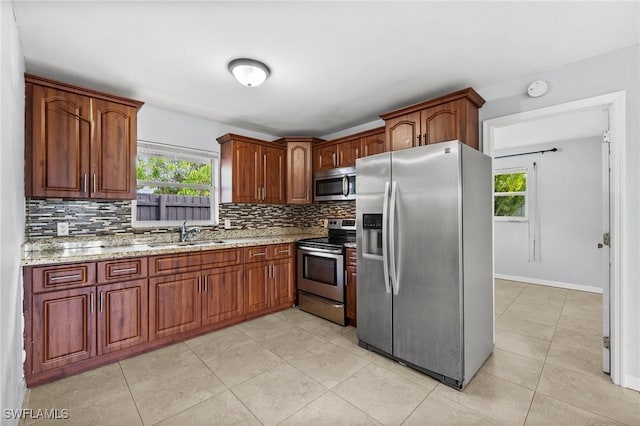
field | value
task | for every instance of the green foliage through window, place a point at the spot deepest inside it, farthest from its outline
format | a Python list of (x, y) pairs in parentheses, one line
[(157, 175), (509, 198)]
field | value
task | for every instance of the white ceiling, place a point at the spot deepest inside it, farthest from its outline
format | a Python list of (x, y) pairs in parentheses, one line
[(334, 64)]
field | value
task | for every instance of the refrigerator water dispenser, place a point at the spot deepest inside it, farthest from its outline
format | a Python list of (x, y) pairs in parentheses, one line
[(372, 236)]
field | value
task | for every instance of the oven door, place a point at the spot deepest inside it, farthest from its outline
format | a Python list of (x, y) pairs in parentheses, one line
[(321, 272)]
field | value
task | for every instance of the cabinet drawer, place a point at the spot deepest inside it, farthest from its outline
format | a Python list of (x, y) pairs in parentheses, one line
[(190, 262), (352, 257), (60, 277), (280, 251), (255, 254), (121, 270)]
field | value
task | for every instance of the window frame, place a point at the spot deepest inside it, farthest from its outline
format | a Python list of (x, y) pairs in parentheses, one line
[(525, 193), (173, 152)]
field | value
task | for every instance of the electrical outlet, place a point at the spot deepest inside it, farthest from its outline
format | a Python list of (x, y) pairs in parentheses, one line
[(227, 224), (63, 229), (325, 222)]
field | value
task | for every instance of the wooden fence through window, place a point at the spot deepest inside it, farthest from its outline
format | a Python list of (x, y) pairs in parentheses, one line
[(152, 207)]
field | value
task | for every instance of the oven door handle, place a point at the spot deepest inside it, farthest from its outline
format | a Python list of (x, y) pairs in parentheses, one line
[(321, 250), (345, 185)]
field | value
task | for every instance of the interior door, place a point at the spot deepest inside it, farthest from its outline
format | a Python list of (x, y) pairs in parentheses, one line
[(606, 251)]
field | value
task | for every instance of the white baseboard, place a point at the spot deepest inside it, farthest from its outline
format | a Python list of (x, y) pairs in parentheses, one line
[(558, 284), (631, 382)]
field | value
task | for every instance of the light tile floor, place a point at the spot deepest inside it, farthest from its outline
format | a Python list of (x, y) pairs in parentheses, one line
[(292, 368)]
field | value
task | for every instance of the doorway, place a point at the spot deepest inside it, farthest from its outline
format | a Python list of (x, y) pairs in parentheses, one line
[(603, 116)]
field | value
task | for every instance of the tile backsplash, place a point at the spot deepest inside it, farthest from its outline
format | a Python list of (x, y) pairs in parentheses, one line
[(103, 218)]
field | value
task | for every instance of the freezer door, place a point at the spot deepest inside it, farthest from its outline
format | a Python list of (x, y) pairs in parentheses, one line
[(373, 298), (427, 326)]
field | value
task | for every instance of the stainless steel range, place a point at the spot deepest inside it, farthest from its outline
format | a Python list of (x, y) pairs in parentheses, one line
[(321, 271)]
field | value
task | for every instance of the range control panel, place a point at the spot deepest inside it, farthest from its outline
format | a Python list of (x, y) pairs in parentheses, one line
[(342, 224)]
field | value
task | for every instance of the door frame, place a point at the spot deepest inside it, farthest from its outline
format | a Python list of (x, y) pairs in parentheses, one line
[(614, 103)]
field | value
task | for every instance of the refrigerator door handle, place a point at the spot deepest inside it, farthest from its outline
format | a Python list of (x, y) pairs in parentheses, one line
[(392, 235), (385, 238)]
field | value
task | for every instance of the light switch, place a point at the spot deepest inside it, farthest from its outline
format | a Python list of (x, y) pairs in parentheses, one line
[(227, 224)]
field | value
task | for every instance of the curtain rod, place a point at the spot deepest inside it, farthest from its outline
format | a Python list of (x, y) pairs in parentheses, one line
[(528, 153)]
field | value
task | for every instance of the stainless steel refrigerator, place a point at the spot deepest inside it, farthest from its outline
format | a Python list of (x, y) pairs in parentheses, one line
[(425, 286)]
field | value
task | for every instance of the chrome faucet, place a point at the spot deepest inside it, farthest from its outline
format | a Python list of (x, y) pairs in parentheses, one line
[(185, 232)]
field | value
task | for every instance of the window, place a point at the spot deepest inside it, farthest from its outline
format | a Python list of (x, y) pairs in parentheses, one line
[(175, 184), (510, 194)]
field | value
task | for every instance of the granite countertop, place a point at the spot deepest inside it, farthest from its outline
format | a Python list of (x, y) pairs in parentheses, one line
[(64, 251)]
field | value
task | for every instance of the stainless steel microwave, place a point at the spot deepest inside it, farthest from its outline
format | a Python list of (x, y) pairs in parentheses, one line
[(335, 184)]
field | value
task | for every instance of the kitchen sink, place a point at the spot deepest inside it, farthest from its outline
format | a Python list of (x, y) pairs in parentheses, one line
[(187, 243)]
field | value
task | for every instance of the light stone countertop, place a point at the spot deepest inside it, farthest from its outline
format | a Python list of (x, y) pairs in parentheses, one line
[(87, 250), (350, 245)]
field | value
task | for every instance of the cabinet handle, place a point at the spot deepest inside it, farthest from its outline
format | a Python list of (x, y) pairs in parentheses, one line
[(282, 251), (91, 302), (124, 270), (101, 301), (65, 277), (307, 195), (85, 183), (333, 157), (424, 139), (258, 254), (205, 284), (263, 193), (95, 183), (199, 287), (418, 138), (357, 152)]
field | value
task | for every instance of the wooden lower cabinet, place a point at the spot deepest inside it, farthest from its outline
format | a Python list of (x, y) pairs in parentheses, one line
[(351, 295), (222, 298), (175, 304), (122, 315), (63, 330), (269, 283), (83, 315)]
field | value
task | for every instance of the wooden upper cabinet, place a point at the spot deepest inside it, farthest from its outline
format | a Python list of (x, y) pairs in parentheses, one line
[(299, 169), (57, 145), (251, 170), (450, 117), (325, 157), (347, 152), (403, 132), (78, 143), (273, 173), (113, 150), (372, 144)]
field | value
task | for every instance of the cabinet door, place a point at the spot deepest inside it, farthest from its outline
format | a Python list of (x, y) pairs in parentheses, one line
[(113, 151), (122, 315), (256, 287), (64, 325), (283, 282), (174, 304), (223, 294), (246, 172), (403, 132), (442, 122), (299, 173), (273, 175), (347, 152), (351, 294), (59, 124), (324, 158), (372, 144)]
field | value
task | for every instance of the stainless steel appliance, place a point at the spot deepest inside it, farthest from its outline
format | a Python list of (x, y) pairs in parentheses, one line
[(335, 184), (425, 286), (321, 271)]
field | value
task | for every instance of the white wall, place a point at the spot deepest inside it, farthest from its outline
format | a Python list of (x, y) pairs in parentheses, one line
[(11, 211), (558, 241), (174, 128), (607, 73)]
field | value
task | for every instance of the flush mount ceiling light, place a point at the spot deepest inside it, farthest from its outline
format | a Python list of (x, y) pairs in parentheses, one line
[(249, 72)]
